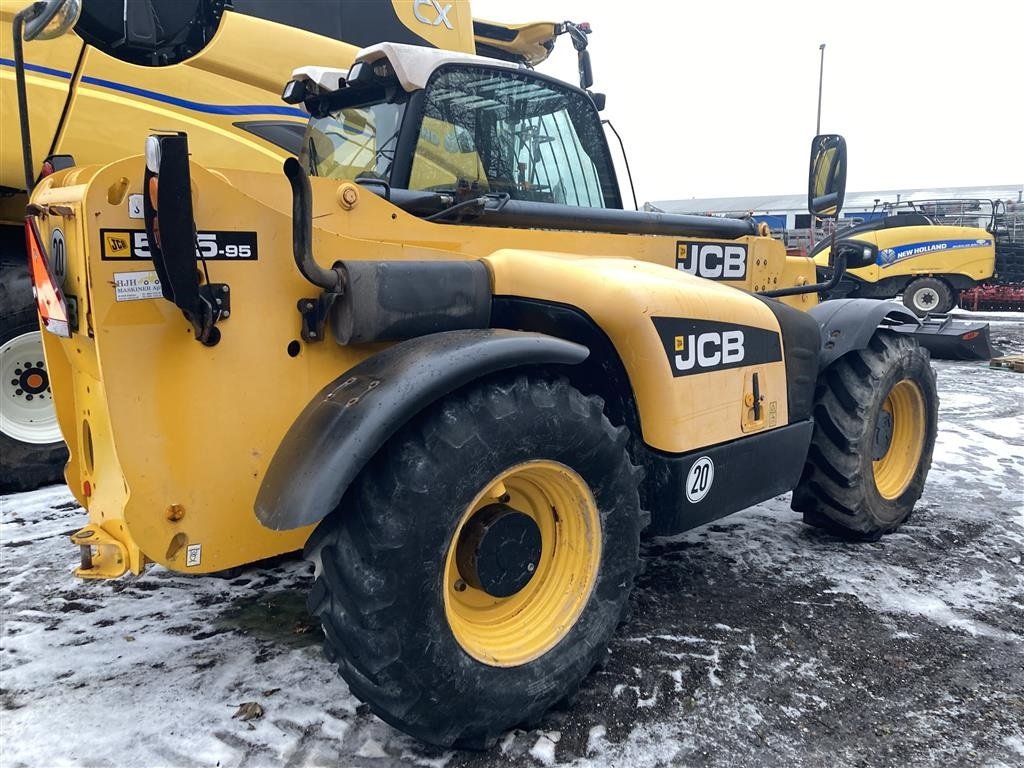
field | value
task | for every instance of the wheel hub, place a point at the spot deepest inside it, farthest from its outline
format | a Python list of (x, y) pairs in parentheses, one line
[(498, 550), (31, 380), (883, 436), (27, 413), (926, 298), (899, 439)]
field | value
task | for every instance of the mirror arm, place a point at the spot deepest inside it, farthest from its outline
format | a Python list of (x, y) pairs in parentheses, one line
[(22, 16)]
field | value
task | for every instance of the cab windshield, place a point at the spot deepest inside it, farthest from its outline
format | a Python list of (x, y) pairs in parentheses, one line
[(477, 131), (501, 131), (356, 142)]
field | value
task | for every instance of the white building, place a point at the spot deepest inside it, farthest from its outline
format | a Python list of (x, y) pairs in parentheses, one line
[(789, 212)]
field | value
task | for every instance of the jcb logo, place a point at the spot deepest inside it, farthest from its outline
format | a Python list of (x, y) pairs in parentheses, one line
[(115, 245), (714, 261), (709, 350), (432, 8), (700, 346)]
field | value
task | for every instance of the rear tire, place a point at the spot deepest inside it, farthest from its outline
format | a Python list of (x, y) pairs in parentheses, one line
[(29, 457), (928, 295), (433, 655), (875, 421)]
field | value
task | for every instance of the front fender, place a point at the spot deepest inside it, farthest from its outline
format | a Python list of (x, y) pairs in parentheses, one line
[(848, 324), (352, 417)]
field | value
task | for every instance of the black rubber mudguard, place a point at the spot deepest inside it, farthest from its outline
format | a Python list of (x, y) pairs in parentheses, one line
[(848, 324), (352, 417)]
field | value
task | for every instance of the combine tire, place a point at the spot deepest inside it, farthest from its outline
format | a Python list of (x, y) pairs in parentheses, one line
[(475, 571), (32, 451), (928, 295), (875, 414)]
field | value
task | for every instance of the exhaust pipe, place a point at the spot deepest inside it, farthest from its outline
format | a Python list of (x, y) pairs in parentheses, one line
[(302, 230)]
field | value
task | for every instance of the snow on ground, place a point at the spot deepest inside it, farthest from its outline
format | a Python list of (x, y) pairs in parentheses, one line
[(755, 641)]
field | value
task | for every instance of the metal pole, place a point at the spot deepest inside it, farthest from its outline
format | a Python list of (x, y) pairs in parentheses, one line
[(821, 77)]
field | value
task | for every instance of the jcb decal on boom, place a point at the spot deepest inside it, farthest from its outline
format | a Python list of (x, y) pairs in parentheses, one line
[(700, 346), (133, 245), (714, 261)]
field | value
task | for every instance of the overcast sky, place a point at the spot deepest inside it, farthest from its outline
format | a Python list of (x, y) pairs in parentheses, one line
[(720, 98)]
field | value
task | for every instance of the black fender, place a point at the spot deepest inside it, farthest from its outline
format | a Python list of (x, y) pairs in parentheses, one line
[(848, 324), (351, 418)]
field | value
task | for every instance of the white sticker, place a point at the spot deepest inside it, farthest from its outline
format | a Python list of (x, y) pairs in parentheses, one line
[(699, 479), (58, 256), (135, 209), (193, 555), (132, 286)]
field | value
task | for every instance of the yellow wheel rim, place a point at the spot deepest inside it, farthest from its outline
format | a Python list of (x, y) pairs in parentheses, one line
[(509, 631), (896, 467)]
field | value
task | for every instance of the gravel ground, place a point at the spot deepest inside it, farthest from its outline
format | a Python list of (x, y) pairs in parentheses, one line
[(755, 641)]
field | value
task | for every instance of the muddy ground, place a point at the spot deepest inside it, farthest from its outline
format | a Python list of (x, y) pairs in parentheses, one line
[(754, 641)]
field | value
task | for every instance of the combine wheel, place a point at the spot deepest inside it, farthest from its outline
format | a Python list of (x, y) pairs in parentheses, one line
[(476, 570), (928, 295), (875, 413), (32, 451)]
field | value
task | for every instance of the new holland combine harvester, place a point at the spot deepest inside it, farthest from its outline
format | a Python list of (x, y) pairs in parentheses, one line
[(437, 355), (938, 254)]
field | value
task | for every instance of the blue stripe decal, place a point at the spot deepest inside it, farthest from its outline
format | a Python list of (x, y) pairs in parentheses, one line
[(38, 68), (890, 256), (195, 106)]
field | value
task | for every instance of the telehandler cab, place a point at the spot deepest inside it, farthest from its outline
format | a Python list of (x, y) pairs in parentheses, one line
[(466, 390)]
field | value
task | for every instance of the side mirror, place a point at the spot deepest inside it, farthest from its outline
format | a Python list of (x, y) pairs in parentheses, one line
[(54, 19), (826, 183), (586, 71)]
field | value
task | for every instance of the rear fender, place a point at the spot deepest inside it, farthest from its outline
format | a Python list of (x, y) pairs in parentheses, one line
[(848, 324), (351, 418)]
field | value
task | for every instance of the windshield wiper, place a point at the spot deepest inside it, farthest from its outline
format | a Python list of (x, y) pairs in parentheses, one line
[(314, 161), (380, 154)]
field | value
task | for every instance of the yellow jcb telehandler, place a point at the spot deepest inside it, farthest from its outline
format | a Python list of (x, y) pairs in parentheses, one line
[(442, 359)]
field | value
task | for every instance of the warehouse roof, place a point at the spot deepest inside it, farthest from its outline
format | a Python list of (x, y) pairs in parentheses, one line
[(855, 201)]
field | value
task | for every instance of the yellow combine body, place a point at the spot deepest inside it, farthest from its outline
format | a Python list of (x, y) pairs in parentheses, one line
[(234, 81)]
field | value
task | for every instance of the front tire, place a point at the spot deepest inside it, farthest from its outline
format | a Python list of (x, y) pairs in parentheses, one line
[(875, 422), (927, 295), (477, 568)]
